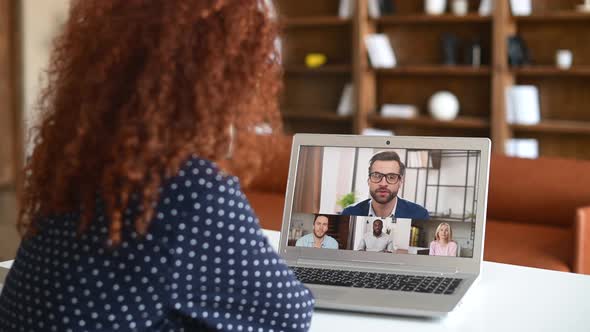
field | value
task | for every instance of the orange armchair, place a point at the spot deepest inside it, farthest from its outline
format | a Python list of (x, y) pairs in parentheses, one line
[(539, 213)]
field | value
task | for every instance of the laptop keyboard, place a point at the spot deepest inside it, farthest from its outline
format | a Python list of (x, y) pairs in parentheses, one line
[(397, 282)]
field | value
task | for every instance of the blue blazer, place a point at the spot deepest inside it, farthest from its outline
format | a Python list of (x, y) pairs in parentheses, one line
[(404, 209)]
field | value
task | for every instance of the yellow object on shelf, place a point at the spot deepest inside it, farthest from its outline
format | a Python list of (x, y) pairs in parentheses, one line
[(314, 60)]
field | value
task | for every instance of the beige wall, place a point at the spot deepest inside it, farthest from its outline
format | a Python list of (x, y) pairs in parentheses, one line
[(41, 21)]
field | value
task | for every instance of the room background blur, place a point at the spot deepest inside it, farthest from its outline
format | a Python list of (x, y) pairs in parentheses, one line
[(489, 59), (27, 28)]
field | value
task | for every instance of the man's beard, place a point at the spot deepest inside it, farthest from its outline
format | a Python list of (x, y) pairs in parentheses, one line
[(385, 200), (317, 236)]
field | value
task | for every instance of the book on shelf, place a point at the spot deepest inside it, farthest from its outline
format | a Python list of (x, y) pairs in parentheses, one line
[(415, 236), (346, 104), (522, 148), (399, 111), (377, 132), (346, 9), (522, 105), (381, 54)]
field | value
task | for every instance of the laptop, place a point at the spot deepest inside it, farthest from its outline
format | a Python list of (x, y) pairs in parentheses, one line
[(390, 225)]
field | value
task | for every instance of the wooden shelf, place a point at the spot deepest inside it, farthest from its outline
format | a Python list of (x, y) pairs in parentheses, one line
[(551, 71), (314, 21), (319, 115), (425, 121), (562, 16), (327, 69), (428, 19), (437, 70), (554, 127), (311, 95)]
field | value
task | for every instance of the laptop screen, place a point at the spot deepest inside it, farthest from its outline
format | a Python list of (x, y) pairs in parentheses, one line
[(393, 201)]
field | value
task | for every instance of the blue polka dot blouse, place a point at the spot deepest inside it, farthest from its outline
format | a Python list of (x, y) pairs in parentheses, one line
[(203, 265)]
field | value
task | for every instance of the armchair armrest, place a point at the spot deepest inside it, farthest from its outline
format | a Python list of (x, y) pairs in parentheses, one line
[(582, 241)]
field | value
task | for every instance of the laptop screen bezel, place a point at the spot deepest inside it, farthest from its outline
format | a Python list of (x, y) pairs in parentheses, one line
[(396, 261)]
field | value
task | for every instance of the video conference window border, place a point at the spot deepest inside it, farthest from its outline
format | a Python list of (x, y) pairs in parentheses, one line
[(405, 226)]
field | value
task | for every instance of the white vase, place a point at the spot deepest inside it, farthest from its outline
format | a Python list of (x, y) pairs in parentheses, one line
[(443, 106), (564, 59), (435, 7)]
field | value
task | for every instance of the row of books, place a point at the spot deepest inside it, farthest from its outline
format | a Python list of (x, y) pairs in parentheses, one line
[(522, 105), (415, 233), (522, 147)]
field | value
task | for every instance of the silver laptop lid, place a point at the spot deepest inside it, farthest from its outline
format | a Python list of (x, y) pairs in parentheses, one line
[(339, 201)]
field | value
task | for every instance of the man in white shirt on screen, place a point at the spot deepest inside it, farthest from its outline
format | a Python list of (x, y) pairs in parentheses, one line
[(376, 241)]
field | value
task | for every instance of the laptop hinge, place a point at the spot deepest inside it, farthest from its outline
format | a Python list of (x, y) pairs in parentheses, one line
[(364, 265)]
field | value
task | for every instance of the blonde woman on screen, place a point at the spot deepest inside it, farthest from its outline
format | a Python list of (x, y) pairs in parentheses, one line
[(443, 244)]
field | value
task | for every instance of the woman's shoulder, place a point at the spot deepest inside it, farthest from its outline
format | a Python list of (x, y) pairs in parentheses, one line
[(198, 188), (199, 167), (200, 174)]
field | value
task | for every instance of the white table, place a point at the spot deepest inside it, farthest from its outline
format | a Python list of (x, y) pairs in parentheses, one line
[(506, 298)]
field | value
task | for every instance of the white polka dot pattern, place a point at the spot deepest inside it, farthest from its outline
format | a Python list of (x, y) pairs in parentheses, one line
[(204, 265)]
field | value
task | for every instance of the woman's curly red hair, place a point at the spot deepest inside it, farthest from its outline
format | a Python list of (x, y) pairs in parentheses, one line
[(137, 86)]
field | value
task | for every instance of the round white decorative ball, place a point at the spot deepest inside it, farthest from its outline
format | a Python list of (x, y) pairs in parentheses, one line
[(443, 105)]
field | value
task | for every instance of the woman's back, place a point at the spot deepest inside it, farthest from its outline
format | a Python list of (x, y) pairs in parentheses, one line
[(203, 264)]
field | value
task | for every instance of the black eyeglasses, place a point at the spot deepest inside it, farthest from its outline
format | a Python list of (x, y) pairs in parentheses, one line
[(391, 178)]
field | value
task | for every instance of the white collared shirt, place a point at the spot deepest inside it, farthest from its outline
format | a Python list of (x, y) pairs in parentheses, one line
[(373, 214)]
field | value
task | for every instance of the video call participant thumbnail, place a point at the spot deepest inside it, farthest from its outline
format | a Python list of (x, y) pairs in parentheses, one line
[(443, 244), (376, 241), (318, 239), (386, 176)]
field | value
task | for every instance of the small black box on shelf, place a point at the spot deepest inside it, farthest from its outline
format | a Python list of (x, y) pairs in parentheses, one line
[(518, 54), (387, 7)]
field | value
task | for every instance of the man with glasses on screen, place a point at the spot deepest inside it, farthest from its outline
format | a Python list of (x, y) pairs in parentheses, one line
[(386, 175)]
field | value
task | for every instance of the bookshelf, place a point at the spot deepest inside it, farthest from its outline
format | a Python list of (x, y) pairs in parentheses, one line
[(311, 95), (416, 40), (564, 129)]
